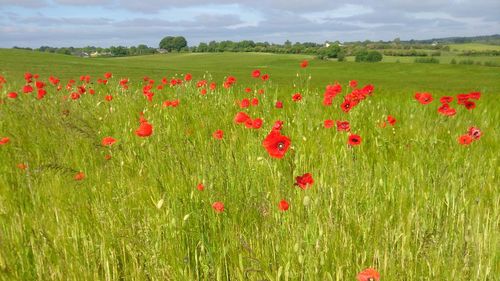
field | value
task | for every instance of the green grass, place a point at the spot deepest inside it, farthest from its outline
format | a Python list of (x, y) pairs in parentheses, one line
[(474, 47), (409, 201)]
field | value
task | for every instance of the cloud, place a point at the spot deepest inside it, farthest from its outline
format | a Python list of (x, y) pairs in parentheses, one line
[(129, 22), (23, 3), (84, 2)]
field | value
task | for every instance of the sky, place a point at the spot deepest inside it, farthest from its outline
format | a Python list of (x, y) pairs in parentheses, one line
[(104, 23)]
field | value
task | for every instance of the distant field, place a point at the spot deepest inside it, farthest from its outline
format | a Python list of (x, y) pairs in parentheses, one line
[(389, 76), (474, 47), (158, 175)]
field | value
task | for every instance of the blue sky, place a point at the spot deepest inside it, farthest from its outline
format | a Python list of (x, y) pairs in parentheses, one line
[(33, 23)]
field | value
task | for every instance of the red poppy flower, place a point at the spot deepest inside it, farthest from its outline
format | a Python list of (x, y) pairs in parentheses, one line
[(245, 103), (219, 134), (249, 123), (27, 89), (328, 123), (41, 93), (304, 64), (278, 125), (343, 126), (203, 92), (391, 120), (175, 103), (475, 95), (446, 110), (354, 140), (79, 176), (248, 90), (213, 86), (108, 75), (304, 181), (353, 84), (4, 140), (92, 91), (255, 101), (188, 77), (256, 73), (475, 133), (279, 104), (461, 98), (265, 77), (145, 130), (347, 105), (107, 157), (241, 117), (200, 187), (327, 100), (469, 104), (464, 140), (276, 144), (368, 274), (446, 99), (108, 98), (297, 97), (260, 91), (75, 96), (283, 205), (28, 76), (218, 207), (12, 95), (22, 166), (39, 84), (108, 141), (257, 123), (423, 98)]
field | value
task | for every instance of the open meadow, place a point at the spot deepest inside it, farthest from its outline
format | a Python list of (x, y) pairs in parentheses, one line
[(177, 167)]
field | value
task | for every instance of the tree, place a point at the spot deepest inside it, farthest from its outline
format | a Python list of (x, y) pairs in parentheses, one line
[(368, 56), (171, 43)]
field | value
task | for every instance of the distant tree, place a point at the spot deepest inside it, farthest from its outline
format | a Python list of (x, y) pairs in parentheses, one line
[(180, 43), (171, 43), (368, 56), (119, 51), (64, 51), (202, 47), (331, 51), (341, 55)]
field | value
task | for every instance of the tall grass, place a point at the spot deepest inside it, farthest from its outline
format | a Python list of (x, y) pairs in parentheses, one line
[(409, 201)]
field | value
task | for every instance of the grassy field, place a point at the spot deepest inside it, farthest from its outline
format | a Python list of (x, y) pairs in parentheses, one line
[(409, 201), (474, 47), (455, 54)]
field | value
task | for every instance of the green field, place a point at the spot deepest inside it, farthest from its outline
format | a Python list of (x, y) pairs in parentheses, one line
[(409, 201), (474, 47)]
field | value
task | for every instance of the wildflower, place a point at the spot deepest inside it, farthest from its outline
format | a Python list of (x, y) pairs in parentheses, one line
[(218, 207), (219, 134), (304, 181), (283, 205), (354, 140), (368, 274), (108, 141), (276, 144)]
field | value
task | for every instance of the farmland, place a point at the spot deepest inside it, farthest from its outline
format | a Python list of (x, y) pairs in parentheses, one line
[(87, 192)]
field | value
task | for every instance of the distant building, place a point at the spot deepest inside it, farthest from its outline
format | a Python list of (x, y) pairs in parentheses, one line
[(81, 54), (328, 44), (161, 51)]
